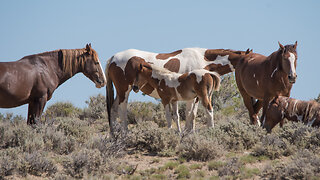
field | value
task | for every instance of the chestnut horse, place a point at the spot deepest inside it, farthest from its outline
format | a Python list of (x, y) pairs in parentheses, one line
[(221, 61), (33, 79), (264, 78), (173, 87), (307, 112)]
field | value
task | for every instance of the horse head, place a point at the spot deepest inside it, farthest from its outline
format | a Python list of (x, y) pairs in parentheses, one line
[(142, 73), (288, 61), (92, 67)]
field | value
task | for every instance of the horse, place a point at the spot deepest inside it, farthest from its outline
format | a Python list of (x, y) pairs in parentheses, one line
[(185, 60), (173, 87), (295, 110), (260, 78), (33, 79)]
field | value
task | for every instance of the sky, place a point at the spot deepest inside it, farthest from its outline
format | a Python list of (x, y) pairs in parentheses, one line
[(35, 26)]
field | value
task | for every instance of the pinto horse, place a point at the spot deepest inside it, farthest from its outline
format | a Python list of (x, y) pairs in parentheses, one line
[(118, 73), (264, 78), (307, 112), (33, 79), (173, 87)]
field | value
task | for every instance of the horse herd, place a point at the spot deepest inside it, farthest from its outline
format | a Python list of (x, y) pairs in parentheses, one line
[(190, 74)]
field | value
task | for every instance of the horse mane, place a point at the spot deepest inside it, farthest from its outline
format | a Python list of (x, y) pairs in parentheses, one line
[(72, 59)]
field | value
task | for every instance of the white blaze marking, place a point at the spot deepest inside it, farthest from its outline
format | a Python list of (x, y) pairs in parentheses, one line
[(292, 59), (104, 76), (274, 71)]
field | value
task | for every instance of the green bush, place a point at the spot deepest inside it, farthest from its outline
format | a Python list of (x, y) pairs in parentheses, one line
[(148, 136), (199, 148), (96, 108), (62, 109)]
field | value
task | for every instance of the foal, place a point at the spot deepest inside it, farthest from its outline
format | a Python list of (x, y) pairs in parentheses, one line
[(282, 107), (173, 87)]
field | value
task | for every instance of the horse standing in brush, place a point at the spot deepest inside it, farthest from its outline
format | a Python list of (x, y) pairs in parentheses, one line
[(173, 87), (263, 78), (295, 110), (33, 79), (221, 61)]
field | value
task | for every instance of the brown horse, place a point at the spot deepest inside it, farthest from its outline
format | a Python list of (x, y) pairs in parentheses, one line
[(264, 78), (33, 79), (173, 87), (182, 61), (307, 112)]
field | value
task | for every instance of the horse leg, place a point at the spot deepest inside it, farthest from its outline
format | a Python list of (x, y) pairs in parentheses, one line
[(254, 119), (209, 110), (31, 114), (175, 114), (167, 108), (35, 110), (191, 109), (266, 102), (114, 114), (123, 114)]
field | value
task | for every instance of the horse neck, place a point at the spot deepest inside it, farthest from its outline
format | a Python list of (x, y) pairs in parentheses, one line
[(71, 62)]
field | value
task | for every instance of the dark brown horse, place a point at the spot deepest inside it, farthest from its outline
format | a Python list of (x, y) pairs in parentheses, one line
[(307, 112), (33, 79), (264, 78)]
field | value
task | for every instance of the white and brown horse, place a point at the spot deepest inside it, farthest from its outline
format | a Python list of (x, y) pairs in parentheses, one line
[(263, 78), (307, 112), (173, 87), (33, 79), (181, 61)]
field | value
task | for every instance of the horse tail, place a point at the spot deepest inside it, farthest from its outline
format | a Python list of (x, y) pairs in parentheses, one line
[(109, 92), (216, 80)]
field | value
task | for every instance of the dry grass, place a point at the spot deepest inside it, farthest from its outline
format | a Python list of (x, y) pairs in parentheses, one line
[(75, 143)]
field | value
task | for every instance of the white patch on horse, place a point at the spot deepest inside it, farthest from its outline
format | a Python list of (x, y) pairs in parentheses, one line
[(254, 75), (257, 82), (292, 59), (223, 60), (199, 74), (170, 78), (310, 123), (274, 71), (104, 76)]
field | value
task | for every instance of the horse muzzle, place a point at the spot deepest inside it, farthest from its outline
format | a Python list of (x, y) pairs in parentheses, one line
[(100, 83), (292, 78), (135, 88)]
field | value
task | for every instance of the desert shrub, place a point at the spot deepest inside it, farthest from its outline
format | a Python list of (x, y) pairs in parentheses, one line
[(108, 147), (56, 141), (199, 148), (234, 134), (83, 161), (231, 168), (37, 164), (96, 108), (62, 109), (139, 112), (148, 136), (75, 127), (14, 134), (303, 165), (273, 146), (8, 162)]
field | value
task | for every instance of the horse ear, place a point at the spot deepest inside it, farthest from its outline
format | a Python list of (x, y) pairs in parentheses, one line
[(248, 51), (88, 48), (281, 46), (295, 45)]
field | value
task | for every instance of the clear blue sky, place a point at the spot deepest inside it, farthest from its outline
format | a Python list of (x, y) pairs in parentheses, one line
[(30, 27)]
